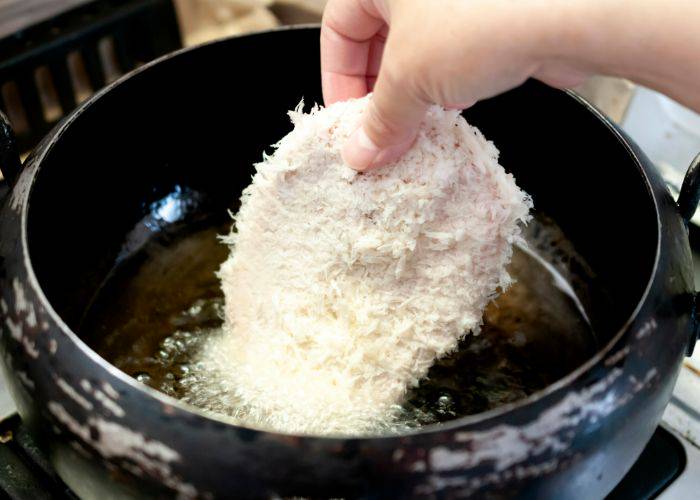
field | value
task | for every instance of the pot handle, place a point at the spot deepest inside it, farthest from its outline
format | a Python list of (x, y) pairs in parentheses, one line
[(10, 164), (690, 191), (687, 204)]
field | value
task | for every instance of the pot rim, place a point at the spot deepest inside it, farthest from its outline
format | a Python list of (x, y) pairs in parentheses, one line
[(457, 424)]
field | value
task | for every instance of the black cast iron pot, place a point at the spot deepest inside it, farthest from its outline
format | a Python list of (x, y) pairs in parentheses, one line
[(200, 118)]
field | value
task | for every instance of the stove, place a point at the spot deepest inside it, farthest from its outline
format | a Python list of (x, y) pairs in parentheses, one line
[(26, 471), (682, 420)]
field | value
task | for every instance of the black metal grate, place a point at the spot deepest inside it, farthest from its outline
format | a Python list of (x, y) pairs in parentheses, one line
[(26, 471), (47, 69)]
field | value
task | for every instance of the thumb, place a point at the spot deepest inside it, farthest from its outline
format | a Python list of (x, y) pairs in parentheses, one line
[(389, 126)]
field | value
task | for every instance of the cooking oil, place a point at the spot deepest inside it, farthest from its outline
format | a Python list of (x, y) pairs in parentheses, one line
[(159, 306)]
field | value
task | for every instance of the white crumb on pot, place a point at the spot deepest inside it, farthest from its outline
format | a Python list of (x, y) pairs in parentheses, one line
[(342, 289)]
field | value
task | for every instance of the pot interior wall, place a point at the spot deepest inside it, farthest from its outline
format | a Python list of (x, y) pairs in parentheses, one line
[(196, 123)]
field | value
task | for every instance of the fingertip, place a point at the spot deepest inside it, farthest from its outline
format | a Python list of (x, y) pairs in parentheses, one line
[(391, 155), (362, 154)]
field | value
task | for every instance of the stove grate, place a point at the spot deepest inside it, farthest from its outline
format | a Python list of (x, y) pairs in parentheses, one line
[(49, 68)]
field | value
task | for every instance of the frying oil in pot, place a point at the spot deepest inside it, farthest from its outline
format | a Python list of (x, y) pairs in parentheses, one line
[(158, 306)]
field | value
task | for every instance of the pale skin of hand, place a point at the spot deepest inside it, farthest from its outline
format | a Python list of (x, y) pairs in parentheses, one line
[(414, 53)]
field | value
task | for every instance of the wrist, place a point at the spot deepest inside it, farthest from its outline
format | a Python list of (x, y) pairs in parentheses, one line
[(585, 34)]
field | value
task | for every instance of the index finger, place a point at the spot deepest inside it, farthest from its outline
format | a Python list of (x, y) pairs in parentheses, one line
[(346, 34)]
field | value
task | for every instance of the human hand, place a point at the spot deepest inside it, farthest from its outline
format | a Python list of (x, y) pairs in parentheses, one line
[(452, 53)]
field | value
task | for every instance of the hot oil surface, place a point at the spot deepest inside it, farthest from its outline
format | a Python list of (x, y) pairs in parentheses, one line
[(158, 306)]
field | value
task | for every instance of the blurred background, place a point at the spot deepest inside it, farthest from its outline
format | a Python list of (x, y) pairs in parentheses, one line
[(200, 20), (203, 20), (56, 53)]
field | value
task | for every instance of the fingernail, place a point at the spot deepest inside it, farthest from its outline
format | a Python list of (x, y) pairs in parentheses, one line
[(359, 151)]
